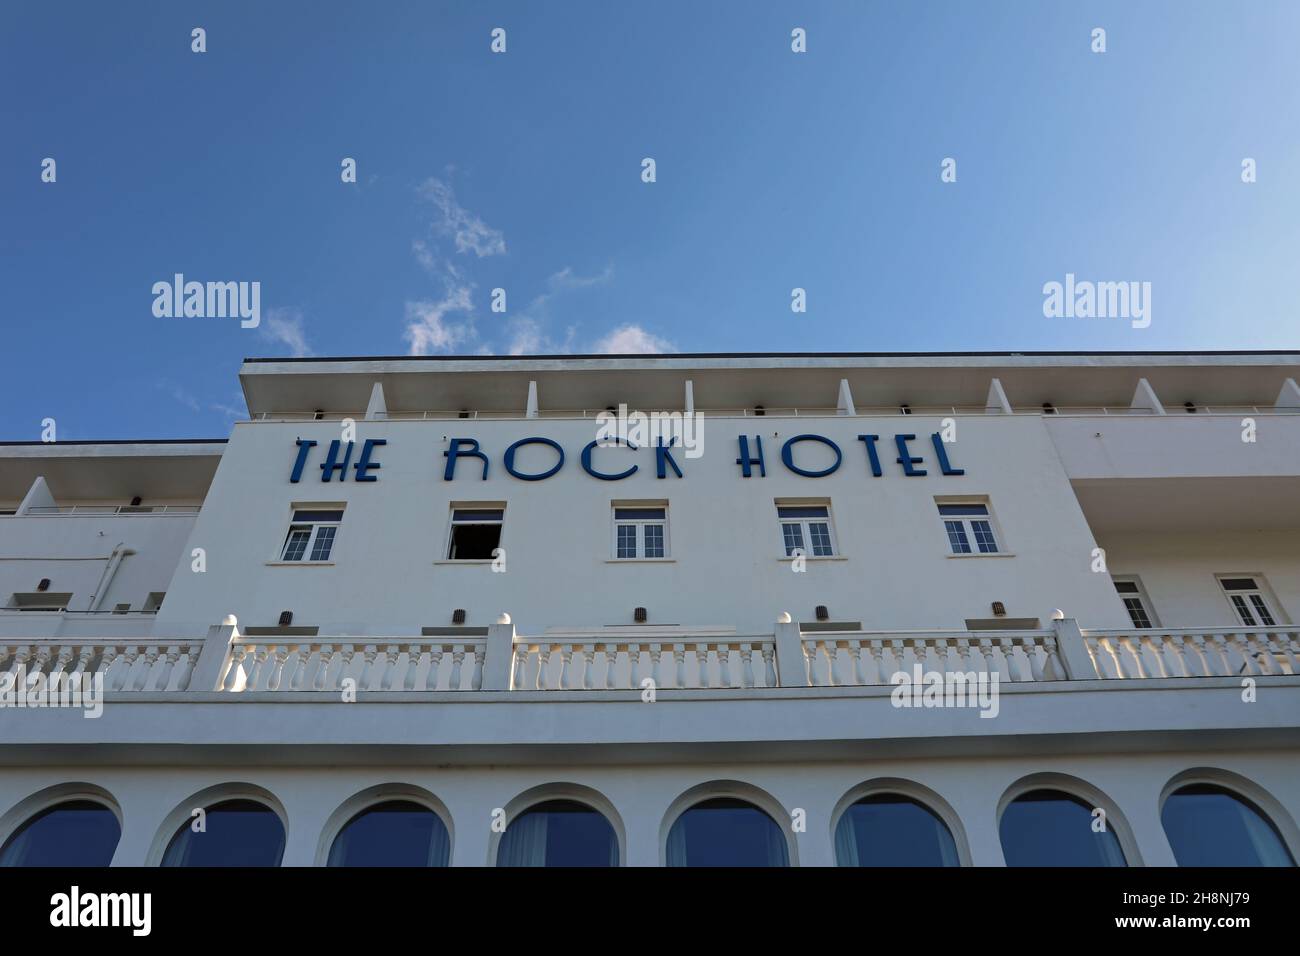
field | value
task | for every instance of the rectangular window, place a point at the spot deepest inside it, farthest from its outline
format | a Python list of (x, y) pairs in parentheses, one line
[(969, 528), (640, 532), (804, 527), (311, 535), (1247, 597), (475, 533), (1135, 601)]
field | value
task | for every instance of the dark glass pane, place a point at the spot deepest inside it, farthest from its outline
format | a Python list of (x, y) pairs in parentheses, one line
[(397, 833), (639, 514), (464, 514), (887, 829), (792, 512), (1210, 826), (76, 833), (318, 516), (474, 542), (236, 833), (1050, 828), (963, 509), (726, 832), (559, 833), (1239, 584)]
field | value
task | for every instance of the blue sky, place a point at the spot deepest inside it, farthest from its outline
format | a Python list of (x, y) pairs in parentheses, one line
[(522, 171)]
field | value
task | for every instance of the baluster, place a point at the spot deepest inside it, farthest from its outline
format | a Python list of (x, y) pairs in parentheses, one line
[(1036, 668), (679, 658), (280, 653), (634, 665), (702, 665), (1198, 648), (476, 672), (809, 649), (107, 658), (1094, 649), (1014, 667), (186, 669), (566, 657), (964, 650), (1290, 645), (1114, 649), (1258, 644), (855, 652), (1221, 646), (877, 649), (414, 655), (38, 669), (123, 681), (543, 665), (1238, 644), (833, 669), (391, 653), (291, 674), (457, 659), (368, 655), (1053, 669), (520, 652), (896, 650), (1139, 666), (769, 664), (345, 665), (1175, 646), (746, 665), (941, 652), (986, 651), (656, 665), (169, 664), (60, 665), (237, 652), (1154, 644), (435, 665), (724, 664), (610, 653), (586, 654), (260, 654), (321, 681), (80, 671)]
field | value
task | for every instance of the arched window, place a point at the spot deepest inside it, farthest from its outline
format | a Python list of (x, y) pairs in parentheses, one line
[(725, 831), (73, 833), (1209, 825), (396, 833), (889, 829), (234, 833), (1052, 828), (559, 833)]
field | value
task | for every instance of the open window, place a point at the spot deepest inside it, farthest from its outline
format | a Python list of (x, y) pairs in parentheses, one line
[(475, 532)]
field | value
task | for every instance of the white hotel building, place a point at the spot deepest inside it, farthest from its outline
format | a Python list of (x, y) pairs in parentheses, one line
[(409, 612)]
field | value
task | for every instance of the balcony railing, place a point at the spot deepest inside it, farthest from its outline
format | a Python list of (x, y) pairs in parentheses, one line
[(112, 510), (230, 663)]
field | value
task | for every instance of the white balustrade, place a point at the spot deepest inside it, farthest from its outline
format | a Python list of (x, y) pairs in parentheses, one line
[(1193, 652), (833, 659), (361, 664), (584, 663), (150, 664)]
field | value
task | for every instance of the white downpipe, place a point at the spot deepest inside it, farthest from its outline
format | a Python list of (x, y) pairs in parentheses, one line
[(119, 552)]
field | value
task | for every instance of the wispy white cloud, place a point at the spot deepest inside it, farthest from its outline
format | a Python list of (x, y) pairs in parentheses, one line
[(285, 327), (429, 328), (632, 340), (470, 233)]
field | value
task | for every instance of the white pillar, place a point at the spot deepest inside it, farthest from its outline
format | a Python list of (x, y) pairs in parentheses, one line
[(690, 397), (845, 404), (1145, 400), (38, 496), (1288, 399), (531, 410), (378, 408), (996, 403)]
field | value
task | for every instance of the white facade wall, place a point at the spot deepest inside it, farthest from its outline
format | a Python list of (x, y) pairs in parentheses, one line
[(894, 568)]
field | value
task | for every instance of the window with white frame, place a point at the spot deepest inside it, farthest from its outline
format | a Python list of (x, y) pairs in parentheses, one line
[(806, 529), (640, 531), (969, 527), (311, 534), (1247, 597), (475, 532), (1135, 602)]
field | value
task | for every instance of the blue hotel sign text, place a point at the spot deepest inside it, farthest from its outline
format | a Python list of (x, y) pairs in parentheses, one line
[(466, 452)]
